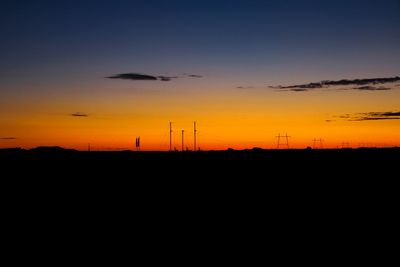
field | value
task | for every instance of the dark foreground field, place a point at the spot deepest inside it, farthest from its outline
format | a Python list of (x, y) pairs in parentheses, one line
[(247, 173), (248, 163), (277, 175), (310, 189)]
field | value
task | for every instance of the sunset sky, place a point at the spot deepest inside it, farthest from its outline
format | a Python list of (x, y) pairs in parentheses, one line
[(104, 72)]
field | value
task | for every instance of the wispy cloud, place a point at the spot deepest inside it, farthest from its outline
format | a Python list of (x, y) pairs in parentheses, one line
[(281, 89), (299, 90), (376, 118), (371, 88), (245, 87), (371, 116), (166, 78), (147, 77), (194, 75), (345, 116), (7, 138), (79, 114), (361, 84)]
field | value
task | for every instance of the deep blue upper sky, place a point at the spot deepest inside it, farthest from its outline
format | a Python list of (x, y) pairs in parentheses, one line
[(253, 40)]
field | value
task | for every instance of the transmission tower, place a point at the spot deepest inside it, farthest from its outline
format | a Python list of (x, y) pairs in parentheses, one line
[(345, 145), (286, 138), (315, 142)]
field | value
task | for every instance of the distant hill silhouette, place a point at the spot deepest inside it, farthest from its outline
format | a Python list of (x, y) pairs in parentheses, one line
[(52, 149), (255, 160), (11, 149)]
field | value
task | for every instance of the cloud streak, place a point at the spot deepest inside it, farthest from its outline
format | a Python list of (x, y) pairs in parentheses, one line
[(194, 75), (166, 78), (372, 116), (245, 87), (79, 114), (7, 138), (361, 84), (371, 88), (147, 77)]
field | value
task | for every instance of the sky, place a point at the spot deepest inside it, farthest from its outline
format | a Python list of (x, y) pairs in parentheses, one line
[(105, 72)]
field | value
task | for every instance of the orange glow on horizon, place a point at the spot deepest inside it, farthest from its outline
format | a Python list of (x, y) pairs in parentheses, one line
[(226, 118)]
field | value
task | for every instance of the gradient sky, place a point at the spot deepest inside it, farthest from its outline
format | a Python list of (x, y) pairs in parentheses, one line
[(55, 56)]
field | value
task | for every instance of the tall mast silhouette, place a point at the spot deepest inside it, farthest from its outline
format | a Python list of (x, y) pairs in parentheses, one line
[(315, 141), (183, 133), (170, 136), (195, 131), (138, 143)]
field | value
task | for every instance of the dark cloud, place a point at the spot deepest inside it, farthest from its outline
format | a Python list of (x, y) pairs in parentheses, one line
[(383, 114), (372, 116), (294, 90), (299, 87), (375, 118), (371, 88), (7, 138), (146, 77), (329, 120), (166, 78), (364, 84), (194, 76), (79, 114), (133, 76), (299, 90)]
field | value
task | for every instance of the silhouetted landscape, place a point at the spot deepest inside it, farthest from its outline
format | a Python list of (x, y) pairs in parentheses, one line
[(253, 120), (249, 163), (288, 188)]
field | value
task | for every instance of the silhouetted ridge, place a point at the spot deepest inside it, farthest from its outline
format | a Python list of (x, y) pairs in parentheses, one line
[(51, 149)]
